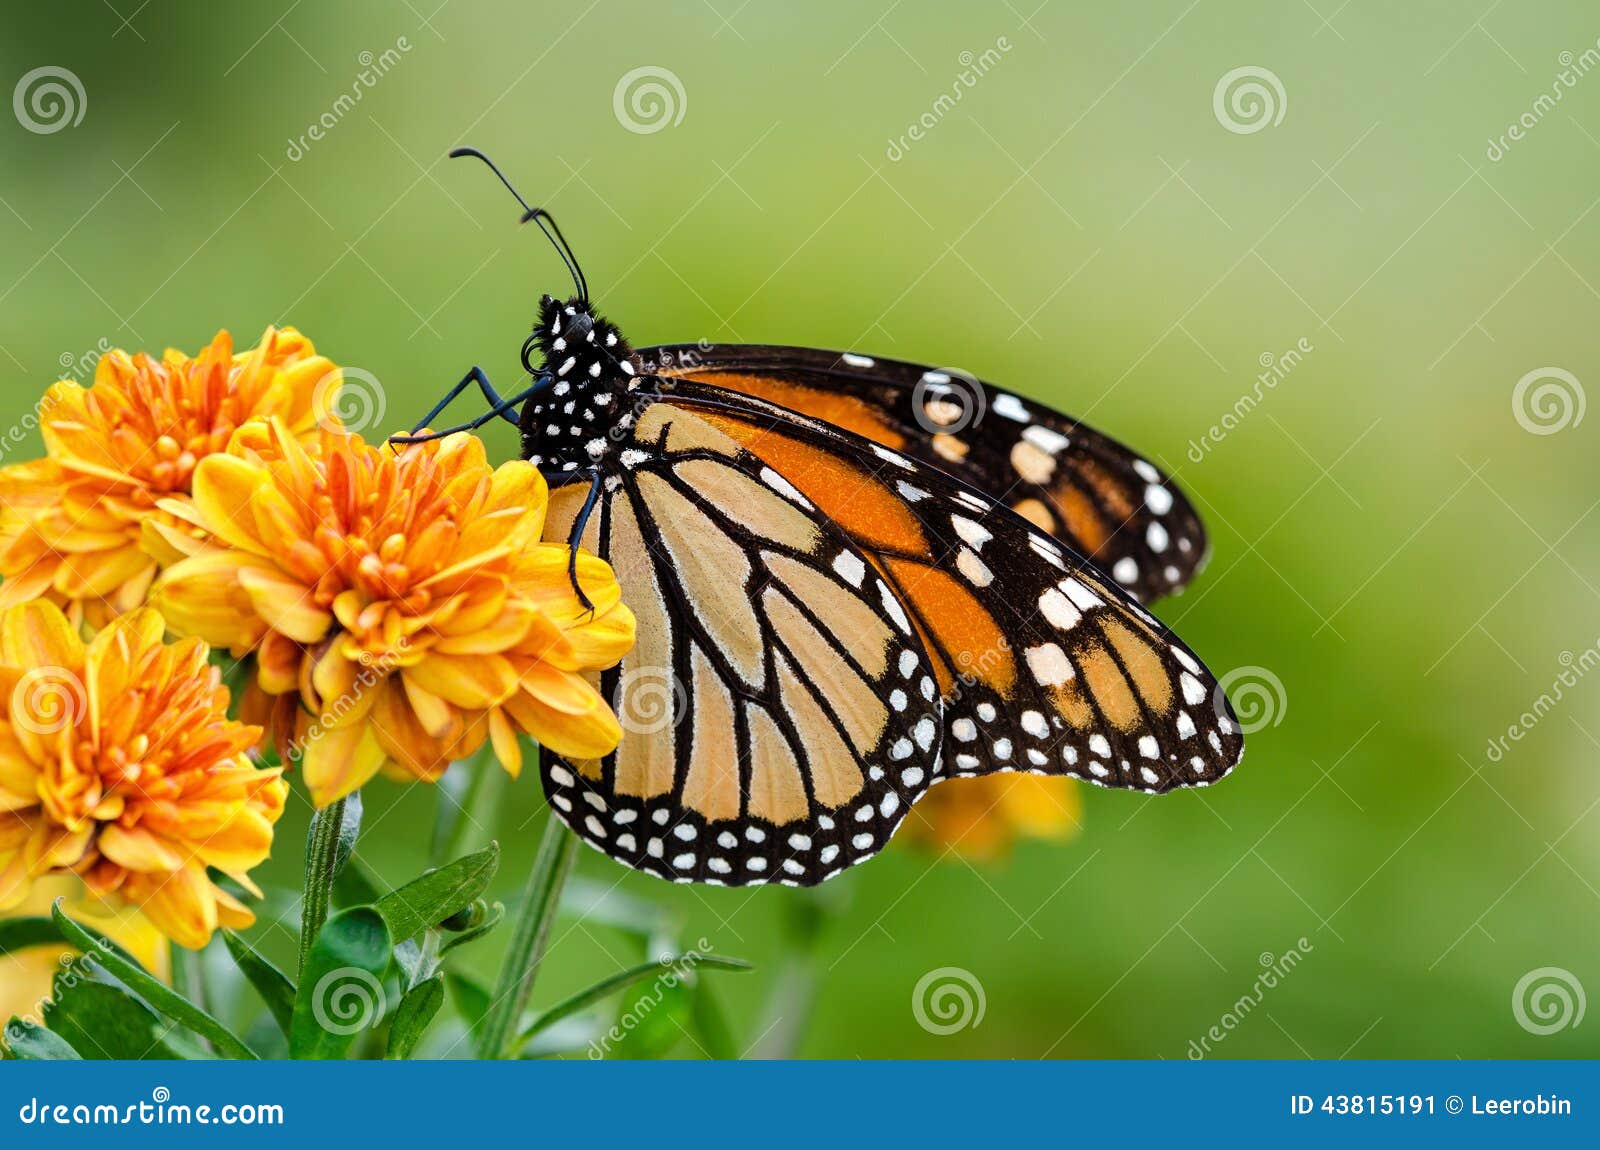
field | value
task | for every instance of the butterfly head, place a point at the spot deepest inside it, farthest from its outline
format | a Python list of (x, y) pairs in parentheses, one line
[(588, 369)]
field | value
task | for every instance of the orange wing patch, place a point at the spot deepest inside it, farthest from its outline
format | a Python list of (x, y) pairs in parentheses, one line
[(849, 496), (836, 407), (962, 629)]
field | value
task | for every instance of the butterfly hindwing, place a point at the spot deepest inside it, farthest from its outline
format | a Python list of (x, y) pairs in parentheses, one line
[(780, 713), (1044, 664), (1100, 498)]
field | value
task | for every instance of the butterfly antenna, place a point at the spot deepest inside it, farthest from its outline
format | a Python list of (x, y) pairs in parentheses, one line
[(547, 224)]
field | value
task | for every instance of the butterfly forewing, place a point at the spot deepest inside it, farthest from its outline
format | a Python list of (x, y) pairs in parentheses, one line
[(1100, 498), (780, 712), (1044, 664)]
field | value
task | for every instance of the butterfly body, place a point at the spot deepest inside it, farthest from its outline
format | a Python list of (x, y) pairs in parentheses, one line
[(849, 587), (571, 422)]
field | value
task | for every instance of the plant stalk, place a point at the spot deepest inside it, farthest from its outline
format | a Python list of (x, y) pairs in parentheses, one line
[(322, 851), (536, 913)]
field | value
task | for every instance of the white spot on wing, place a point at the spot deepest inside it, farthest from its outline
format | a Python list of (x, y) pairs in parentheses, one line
[(1008, 406), (1046, 440), (1049, 664)]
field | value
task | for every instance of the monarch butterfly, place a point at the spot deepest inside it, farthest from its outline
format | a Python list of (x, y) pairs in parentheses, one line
[(843, 597)]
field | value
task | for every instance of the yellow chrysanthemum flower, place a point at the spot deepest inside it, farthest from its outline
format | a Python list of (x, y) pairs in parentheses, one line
[(118, 762), (26, 976), (75, 527), (400, 604), (982, 818)]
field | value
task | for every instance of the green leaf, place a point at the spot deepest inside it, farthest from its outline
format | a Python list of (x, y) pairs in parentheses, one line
[(270, 983), (653, 1020), (152, 990), (415, 1012), (21, 933), (349, 830), (496, 914), (329, 840), (709, 1025), (356, 886), (429, 900), (104, 1022), (669, 972), (341, 993), (472, 998), (602, 904), (30, 1043)]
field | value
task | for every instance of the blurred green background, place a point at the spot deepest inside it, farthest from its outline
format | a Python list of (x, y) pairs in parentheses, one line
[(1392, 545)]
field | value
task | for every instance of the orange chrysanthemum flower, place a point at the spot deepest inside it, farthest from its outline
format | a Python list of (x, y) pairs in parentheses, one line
[(75, 527), (400, 604), (118, 762), (982, 818)]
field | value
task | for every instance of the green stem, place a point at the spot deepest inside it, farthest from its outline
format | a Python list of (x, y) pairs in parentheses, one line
[(536, 913), (322, 852), (481, 808)]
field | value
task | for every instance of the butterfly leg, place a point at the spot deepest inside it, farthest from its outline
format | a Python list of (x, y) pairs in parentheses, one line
[(477, 376), (567, 479), (502, 407)]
